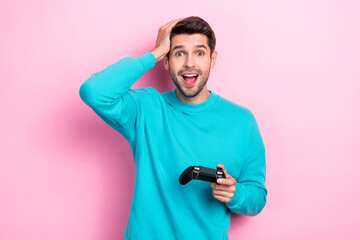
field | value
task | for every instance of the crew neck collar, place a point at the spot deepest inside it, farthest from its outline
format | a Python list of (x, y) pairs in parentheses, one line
[(193, 107)]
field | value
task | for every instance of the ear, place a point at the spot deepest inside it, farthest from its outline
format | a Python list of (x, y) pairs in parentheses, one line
[(213, 59), (166, 63)]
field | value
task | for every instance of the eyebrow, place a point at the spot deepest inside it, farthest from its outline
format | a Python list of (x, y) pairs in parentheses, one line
[(196, 46)]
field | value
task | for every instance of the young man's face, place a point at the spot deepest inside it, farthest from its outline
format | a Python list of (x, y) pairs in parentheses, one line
[(190, 62)]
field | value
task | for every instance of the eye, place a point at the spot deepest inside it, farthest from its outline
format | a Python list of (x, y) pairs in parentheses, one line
[(200, 53), (178, 54)]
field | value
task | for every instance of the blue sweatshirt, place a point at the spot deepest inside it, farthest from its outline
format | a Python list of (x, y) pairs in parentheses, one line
[(166, 136)]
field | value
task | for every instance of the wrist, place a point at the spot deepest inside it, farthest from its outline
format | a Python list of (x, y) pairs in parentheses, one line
[(159, 54)]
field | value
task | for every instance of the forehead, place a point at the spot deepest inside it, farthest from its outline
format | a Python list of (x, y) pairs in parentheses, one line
[(189, 40)]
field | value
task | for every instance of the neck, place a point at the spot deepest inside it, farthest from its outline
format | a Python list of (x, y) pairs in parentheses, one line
[(200, 98)]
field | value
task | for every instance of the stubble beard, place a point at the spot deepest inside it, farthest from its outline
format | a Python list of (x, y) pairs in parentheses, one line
[(199, 85)]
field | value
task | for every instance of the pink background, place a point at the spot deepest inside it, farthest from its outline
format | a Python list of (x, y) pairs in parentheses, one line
[(65, 174)]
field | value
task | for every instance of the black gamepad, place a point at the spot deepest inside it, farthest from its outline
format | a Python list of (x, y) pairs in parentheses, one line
[(201, 173)]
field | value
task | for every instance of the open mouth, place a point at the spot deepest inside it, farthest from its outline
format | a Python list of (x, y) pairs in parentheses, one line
[(190, 78)]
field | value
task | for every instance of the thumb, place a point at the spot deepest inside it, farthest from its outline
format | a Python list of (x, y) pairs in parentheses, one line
[(223, 168)]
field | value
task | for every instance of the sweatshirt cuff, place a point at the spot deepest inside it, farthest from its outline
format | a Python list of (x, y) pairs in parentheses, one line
[(237, 198), (147, 61)]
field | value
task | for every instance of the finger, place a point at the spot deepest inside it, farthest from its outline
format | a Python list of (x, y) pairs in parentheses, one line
[(164, 26), (225, 188), (219, 186), (177, 20), (173, 22), (223, 168), (227, 181), (170, 27), (223, 193), (221, 198)]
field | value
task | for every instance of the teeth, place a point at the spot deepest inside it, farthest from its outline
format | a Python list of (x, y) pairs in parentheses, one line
[(190, 75)]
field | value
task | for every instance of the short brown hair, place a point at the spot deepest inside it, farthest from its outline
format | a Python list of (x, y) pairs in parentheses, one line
[(193, 25)]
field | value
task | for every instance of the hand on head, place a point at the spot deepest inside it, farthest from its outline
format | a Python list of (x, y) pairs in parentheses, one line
[(162, 46)]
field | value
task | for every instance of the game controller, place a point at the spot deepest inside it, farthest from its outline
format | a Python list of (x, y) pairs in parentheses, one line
[(201, 173)]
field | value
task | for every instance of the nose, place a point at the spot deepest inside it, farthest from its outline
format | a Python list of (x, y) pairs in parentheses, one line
[(189, 62)]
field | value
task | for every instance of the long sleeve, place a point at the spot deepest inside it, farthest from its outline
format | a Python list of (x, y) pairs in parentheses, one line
[(108, 93), (250, 195)]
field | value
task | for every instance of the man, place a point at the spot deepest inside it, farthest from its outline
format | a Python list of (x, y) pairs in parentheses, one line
[(170, 131)]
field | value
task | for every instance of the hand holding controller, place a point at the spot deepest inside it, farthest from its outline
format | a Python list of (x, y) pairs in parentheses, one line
[(201, 173)]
